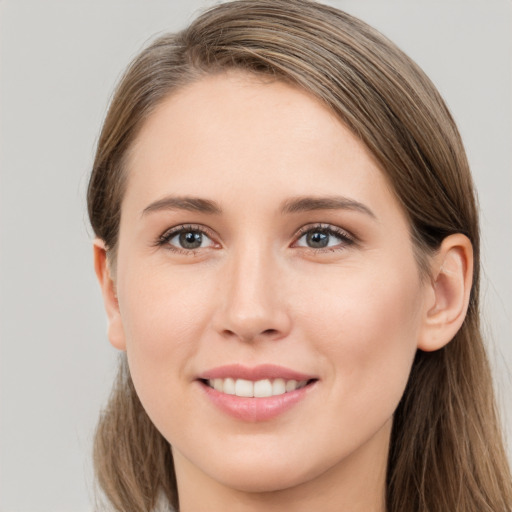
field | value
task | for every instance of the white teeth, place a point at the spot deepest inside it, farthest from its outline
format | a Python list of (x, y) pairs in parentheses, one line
[(244, 388), (279, 387), (260, 388), (291, 385), (228, 386)]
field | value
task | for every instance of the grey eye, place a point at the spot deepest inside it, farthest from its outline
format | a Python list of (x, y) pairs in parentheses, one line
[(317, 239), (189, 239), (320, 238)]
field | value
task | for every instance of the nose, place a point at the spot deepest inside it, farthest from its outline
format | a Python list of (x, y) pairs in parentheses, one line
[(252, 303)]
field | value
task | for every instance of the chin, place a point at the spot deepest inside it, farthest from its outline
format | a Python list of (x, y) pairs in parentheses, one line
[(262, 474), (261, 480)]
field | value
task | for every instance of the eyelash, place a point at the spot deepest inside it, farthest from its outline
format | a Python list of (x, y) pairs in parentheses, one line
[(166, 237), (346, 238)]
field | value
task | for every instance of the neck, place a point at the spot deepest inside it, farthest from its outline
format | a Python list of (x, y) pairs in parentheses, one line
[(355, 484)]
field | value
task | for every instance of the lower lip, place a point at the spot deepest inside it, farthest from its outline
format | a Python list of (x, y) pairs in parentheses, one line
[(256, 409)]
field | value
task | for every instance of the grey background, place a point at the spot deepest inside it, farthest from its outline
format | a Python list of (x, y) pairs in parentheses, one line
[(59, 61)]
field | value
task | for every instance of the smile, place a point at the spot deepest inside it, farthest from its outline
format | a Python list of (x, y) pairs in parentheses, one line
[(254, 394), (258, 389)]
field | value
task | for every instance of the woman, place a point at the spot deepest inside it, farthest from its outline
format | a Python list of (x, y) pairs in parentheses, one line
[(288, 249)]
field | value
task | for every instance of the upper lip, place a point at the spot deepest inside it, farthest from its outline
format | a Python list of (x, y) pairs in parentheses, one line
[(255, 373)]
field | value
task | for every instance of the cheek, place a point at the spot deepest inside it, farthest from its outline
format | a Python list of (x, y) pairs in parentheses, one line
[(367, 326), (164, 316), (162, 309)]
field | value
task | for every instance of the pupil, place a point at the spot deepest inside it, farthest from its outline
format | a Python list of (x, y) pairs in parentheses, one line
[(191, 240), (317, 239)]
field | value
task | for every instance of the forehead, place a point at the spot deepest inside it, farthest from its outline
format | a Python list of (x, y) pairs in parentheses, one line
[(234, 132), (260, 111)]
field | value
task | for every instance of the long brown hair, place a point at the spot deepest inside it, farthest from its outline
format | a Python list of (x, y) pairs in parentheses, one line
[(446, 451)]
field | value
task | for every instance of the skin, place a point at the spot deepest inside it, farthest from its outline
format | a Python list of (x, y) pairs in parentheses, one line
[(352, 314)]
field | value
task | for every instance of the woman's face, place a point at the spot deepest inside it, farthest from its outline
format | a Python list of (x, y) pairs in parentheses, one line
[(260, 245)]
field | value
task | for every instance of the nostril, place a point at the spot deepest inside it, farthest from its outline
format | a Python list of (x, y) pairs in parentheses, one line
[(270, 332)]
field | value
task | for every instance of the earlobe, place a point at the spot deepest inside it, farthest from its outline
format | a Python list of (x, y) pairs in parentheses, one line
[(449, 292), (108, 289)]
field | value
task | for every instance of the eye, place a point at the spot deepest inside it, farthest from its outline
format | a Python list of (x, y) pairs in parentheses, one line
[(323, 237), (186, 239)]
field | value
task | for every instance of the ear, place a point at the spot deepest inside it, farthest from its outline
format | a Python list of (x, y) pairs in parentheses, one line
[(108, 289), (447, 293)]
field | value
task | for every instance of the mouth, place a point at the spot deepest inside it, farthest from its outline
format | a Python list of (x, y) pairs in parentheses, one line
[(256, 394), (263, 388)]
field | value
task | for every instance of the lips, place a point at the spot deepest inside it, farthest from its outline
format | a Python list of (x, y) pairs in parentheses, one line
[(255, 394), (260, 372)]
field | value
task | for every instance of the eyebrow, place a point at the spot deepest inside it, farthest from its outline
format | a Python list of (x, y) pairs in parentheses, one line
[(304, 204), (191, 204), (292, 205)]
